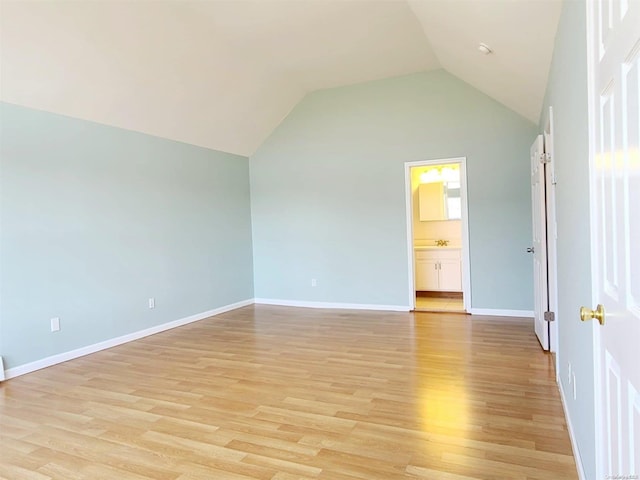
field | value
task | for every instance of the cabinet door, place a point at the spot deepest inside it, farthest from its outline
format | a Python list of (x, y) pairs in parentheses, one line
[(426, 274), (450, 275)]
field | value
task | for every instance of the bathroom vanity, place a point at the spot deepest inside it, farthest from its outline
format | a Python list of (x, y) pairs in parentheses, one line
[(438, 269)]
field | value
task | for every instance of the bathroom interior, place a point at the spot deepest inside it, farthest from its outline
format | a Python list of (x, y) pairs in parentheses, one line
[(437, 237)]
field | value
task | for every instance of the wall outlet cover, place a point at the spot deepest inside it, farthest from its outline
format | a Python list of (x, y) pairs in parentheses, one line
[(55, 324)]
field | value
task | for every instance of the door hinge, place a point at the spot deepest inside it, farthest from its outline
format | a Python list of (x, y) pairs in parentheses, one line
[(545, 158), (549, 316)]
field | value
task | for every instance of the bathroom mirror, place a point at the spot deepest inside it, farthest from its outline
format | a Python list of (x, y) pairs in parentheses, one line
[(440, 201)]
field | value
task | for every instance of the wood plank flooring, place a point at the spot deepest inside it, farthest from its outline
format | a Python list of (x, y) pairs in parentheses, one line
[(281, 393)]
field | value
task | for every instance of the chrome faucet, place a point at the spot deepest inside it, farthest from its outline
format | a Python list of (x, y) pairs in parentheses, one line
[(442, 243)]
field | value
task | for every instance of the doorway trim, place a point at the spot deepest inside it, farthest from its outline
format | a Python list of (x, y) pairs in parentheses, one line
[(464, 222), (552, 232)]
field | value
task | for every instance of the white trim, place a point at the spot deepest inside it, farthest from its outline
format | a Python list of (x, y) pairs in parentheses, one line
[(409, 222), (345, 306), (592, 96), (464, 222), (552, 234), (96, 347), (572, 437), (466, 259), (501, 313)]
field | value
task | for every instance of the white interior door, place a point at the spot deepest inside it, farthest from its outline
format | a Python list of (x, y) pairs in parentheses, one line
[(538, 204), (614, 96)]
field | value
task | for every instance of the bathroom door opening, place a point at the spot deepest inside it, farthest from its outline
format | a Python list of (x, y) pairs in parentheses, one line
[(437, 235)]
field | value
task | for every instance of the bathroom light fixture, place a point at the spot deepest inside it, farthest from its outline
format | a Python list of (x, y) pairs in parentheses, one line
[(450, 175), (484, 48), (441, 173), (430, 176)]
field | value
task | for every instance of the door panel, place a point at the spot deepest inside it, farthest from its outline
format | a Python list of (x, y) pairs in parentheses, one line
[(614, 93), (538, 205)]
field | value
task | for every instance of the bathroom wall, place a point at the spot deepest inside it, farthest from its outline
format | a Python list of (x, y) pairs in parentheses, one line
[(426, 233)]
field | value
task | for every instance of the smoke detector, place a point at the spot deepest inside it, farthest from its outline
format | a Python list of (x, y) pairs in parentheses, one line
[(484, 48)]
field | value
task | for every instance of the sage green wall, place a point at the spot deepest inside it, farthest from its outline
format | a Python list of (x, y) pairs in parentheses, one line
[(94, 220), (567, 94), (328, 191)]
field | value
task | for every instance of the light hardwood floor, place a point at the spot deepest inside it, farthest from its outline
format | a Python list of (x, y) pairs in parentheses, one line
[(283, 393), (430, 304)]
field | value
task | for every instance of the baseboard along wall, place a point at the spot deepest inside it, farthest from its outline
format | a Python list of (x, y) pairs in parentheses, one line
[(96, 347), (572, 437), (345, 306), (112, 342)]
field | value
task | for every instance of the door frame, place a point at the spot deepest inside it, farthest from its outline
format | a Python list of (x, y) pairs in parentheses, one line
[(598, 416), (464, 223), (552, 233), (539, 246)]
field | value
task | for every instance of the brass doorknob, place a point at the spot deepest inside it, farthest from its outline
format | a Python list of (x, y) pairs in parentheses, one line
[(588, 314)]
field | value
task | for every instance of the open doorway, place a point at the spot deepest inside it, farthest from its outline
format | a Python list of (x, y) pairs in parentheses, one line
[(437, 235)]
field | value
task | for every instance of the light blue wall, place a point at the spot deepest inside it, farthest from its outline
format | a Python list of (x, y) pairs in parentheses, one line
[(328, 191), (94, 220), (567, 94)]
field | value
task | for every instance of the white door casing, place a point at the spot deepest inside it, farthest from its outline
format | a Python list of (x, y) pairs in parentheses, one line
[(552, 234), (465, 267), (539, 220), (613, 41)]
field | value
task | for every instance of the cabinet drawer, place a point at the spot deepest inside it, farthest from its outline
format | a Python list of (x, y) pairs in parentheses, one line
[(448, 254)]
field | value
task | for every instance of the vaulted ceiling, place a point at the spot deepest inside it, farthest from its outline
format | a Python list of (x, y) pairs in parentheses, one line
[(223, 74)]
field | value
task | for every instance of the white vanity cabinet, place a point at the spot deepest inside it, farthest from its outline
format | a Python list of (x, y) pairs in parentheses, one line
[(438, 269)]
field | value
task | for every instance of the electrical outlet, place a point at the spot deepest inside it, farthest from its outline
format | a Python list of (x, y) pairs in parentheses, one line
[(314, 282), (574, 386), (55, 324), (152, 303)]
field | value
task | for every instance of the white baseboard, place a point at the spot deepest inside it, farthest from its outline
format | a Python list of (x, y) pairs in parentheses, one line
[(572, 437), (346, 306), (96, 347), (501, 313)]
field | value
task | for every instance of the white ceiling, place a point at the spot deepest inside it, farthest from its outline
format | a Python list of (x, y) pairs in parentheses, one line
[(223, 74)]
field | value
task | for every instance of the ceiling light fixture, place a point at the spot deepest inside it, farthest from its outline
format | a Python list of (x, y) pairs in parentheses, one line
[(484, 48)]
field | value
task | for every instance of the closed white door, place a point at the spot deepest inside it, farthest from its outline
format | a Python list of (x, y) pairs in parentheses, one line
[(614, 96), (538, 205)]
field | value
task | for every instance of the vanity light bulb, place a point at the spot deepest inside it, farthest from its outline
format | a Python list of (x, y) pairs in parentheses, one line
[(430, 176)]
